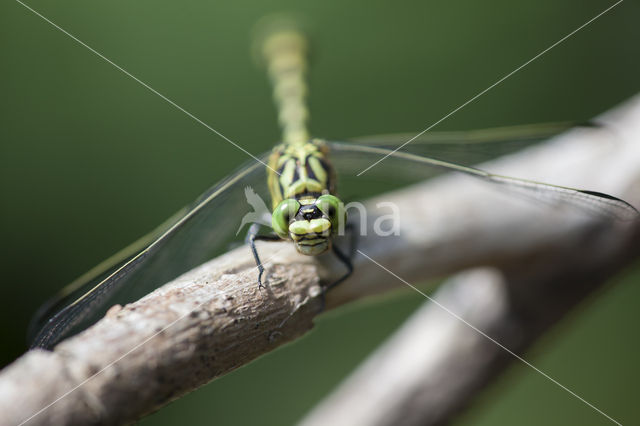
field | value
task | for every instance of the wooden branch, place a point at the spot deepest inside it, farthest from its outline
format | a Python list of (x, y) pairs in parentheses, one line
[(215, 319)]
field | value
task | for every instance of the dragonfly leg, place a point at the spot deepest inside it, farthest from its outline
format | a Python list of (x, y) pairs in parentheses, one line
[(346, 259), (252, 237)]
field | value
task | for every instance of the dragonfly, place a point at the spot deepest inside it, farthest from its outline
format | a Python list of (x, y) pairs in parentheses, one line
[(300, 177)]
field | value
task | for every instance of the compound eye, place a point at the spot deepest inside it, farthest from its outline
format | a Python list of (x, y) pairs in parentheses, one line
[(282, 215), (332, 207)]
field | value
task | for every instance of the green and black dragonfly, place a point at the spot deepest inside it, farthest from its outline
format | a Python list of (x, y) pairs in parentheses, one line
[(301, 181)]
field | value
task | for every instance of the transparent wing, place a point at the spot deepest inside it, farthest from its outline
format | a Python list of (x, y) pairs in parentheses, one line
[(191, 237), (476, 136), (204, 230), (470, 146), (401, 166)]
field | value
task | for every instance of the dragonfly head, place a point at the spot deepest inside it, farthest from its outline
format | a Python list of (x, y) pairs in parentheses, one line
[(309, 222)]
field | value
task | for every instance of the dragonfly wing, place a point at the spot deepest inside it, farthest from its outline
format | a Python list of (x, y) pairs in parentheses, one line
[(191, 237), (401, 166), (470, 146)]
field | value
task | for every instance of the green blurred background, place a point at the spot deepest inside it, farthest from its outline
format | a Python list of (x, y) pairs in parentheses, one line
[(91, 161)]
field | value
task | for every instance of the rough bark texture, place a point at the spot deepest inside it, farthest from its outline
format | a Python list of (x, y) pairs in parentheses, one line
[(214, 318), (204, 324)]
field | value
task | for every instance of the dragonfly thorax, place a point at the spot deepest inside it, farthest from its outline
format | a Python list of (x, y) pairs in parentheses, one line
[(300, 171)]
